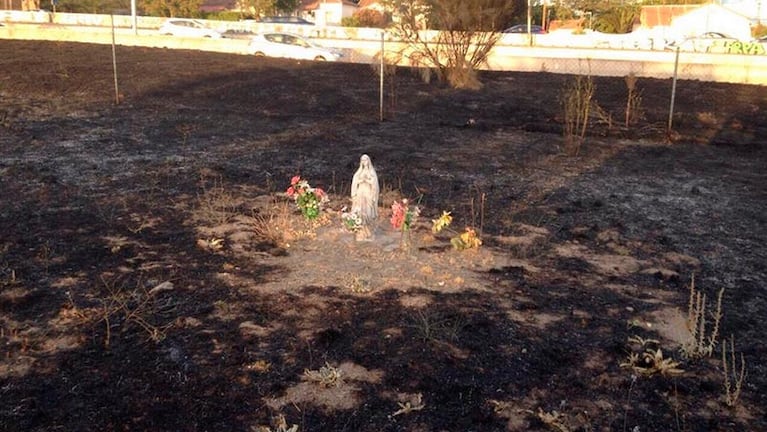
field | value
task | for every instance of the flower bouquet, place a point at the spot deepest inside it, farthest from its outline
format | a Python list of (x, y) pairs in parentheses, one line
[(308, 199)]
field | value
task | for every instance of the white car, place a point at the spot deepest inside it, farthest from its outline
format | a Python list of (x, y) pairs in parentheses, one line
[(289, 45), (187, 28)]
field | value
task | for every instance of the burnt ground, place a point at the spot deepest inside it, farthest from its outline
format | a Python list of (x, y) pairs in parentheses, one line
[(154, 277)]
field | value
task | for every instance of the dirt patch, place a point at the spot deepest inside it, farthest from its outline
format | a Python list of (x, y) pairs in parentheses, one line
[(154, 276)]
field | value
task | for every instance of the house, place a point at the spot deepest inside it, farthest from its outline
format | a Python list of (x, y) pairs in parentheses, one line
[(327, 12), (690, 20), (713, 18)]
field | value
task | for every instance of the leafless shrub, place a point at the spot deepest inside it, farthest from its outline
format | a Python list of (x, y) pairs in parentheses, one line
[(215, 203), (702, 338), (577, 102), (633, 101), (120, 307), (733, 378), (465, 32)]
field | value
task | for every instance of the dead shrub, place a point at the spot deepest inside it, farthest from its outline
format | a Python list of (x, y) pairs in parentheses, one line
[(577, 102), (702, 336)]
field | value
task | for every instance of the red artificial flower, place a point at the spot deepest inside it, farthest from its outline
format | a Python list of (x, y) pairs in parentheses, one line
[(295, 180)]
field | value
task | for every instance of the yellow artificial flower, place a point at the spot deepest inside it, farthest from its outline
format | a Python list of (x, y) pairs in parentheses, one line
[(442, 222)]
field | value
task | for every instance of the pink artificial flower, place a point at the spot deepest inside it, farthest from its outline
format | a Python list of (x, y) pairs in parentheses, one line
[(397, 215), (291, 191), (319, 192), (295, 180)]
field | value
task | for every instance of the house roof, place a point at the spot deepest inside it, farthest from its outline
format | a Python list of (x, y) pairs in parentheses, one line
[(662, 15), (309, 5)]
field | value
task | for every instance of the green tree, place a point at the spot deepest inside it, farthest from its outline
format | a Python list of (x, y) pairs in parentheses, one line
[(286, 6), (256, 8), (618, 19), (172, 8), (92, 6)]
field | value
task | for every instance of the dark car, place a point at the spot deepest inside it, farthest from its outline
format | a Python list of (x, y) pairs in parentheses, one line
[(289, 19), (522, 28)]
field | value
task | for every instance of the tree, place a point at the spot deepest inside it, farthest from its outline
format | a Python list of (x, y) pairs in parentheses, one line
[(286, 6), (172, 8), (618, 19), (256, 8), (464, 33)]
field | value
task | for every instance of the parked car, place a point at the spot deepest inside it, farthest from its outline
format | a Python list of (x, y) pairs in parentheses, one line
[(290, 19), (522, 28), (289, 45), (705, 42), (187, 28)]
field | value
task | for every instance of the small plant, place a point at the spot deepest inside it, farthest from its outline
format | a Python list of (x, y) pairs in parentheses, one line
[(279, 424), (733, 379), (327, 376), (553, 420), (649, 360), (414, 404), (577, 102), (215, 203), (308, 199), (701, 341)]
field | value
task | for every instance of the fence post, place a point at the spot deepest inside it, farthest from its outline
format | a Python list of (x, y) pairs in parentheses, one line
[(381, 82), (673, 90), (114, 60)]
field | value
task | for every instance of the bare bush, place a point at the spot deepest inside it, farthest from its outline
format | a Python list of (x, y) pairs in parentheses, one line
[(464, 33), (577, 104)]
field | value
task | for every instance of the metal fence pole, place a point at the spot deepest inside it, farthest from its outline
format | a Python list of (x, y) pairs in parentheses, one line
[(114, 61), (673, 90), (381, 82)]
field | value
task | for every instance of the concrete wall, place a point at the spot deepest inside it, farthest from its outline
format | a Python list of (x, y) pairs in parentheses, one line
[(363, 46)]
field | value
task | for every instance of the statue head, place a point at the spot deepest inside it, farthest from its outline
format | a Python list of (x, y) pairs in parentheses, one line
[(365, 162)]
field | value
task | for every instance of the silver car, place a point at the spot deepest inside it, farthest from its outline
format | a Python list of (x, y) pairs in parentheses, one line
[(187, 28), (289, 45)]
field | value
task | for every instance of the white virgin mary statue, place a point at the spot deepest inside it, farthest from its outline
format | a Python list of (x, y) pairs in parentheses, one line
[(365, 191)]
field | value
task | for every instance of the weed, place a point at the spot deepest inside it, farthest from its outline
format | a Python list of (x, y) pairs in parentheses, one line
[(649, 360), (414, 404), (326, 376), (577, 103), (358, 285), (279, 424), (120, 306), (633, 101), (216, 205), (701, 342), (733, 379), (436, 327), (553, 420), (272, 225)]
